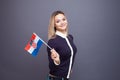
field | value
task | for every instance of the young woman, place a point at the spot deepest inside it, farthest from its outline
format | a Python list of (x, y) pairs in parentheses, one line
[(61, 56)]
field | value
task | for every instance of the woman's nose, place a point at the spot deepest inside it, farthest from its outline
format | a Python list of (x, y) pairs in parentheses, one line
[(62, 22)]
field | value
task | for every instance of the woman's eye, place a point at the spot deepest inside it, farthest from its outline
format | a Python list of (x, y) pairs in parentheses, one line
[(64, 19), (57, 21)]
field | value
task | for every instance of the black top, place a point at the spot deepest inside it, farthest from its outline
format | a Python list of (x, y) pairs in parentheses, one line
[(61, 45)]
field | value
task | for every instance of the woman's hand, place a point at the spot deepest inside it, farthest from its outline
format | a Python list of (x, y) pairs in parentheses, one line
[(55, 56)]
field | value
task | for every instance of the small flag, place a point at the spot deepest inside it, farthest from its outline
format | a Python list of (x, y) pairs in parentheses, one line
[(34, 44)]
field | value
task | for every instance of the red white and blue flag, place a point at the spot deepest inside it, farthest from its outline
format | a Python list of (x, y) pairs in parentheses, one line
[(34, 44)]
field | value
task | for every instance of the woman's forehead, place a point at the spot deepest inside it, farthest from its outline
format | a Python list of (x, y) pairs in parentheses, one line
[(59, 16)]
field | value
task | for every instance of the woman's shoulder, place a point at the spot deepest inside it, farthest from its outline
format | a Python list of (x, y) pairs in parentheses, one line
[(52, 39), (53, 42), (70, 36)]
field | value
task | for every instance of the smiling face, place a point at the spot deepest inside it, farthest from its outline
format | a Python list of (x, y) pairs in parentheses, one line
[(61, 23)]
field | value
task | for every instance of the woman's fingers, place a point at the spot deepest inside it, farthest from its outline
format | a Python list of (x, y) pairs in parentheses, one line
[(54, 54), (55, 57)]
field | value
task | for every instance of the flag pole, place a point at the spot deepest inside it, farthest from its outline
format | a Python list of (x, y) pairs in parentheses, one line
[(44, 42)]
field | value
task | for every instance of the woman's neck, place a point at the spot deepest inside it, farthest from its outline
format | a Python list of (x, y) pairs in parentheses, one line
[(63, 34)]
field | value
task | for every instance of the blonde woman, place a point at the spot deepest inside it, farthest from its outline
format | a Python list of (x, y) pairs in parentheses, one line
[(61, 56)]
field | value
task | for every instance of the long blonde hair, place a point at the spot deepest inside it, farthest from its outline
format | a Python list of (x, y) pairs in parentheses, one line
[(51, 27)]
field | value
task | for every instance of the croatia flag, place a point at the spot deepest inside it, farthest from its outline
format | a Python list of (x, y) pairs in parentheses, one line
[(34, 44)]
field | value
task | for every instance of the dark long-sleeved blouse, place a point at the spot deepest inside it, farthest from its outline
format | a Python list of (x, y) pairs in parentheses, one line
[(65, 47)]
